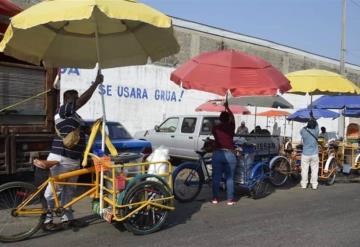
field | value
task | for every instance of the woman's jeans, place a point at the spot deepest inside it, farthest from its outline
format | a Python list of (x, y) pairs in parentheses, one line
[(223, 161)]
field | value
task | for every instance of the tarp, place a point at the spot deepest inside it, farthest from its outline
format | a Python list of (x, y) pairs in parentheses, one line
[(7, 9)]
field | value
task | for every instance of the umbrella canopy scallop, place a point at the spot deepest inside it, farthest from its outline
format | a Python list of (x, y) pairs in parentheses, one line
[(64, 33), (262, 101), (303, 115), (351, 112), (315, 82), (218, 106), (273, 113), (337, 102)]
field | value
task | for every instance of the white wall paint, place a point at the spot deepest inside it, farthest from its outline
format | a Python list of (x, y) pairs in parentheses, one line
[(144, 112), (135, 113)]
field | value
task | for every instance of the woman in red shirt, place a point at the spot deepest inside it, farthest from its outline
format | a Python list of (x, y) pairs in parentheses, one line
[(224, 159)]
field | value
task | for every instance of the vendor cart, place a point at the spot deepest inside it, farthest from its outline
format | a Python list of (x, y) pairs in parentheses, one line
[(122, 190)]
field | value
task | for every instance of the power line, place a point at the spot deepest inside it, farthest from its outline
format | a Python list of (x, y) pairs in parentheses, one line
[(356, 3)]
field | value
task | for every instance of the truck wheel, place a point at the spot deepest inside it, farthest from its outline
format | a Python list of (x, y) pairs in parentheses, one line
[(187, 182), (15, 227), (150, 218)]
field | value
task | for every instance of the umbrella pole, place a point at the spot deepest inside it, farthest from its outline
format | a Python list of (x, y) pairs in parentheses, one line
[(285, 126), (101, 199), (267, 122), (102, 95), (255, 117)]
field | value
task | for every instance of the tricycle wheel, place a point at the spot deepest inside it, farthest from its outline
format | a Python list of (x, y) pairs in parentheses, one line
[(280, 168), (332, 168), (187, 182), (14, 227), (150, 218), (261, 189), (296, 176)]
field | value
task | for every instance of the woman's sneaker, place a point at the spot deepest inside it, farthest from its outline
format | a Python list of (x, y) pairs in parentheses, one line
[(230, 203), (214, 201)]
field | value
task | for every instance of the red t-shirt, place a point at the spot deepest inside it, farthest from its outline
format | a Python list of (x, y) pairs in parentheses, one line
[(224, 135)]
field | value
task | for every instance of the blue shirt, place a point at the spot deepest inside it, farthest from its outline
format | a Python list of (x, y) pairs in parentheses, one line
[(310, 144)]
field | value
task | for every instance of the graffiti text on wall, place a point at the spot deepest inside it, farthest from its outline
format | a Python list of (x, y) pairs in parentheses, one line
[(132, 92), (139, 93)]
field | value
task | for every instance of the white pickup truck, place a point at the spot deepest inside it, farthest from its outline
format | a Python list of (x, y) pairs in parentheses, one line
[(184, 134)]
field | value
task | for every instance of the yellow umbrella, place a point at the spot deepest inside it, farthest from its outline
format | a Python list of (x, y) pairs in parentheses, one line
[(80, 33), (315, 82)]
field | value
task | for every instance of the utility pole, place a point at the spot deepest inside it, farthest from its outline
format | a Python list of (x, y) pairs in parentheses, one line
[(343, 37), (341, 121)]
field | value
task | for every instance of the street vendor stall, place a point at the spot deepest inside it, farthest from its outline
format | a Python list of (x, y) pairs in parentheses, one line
[(85, 34), (313, 82), (350, 106), (235, 73)]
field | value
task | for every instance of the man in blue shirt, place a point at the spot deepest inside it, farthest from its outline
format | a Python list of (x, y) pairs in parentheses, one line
[(310, 154)]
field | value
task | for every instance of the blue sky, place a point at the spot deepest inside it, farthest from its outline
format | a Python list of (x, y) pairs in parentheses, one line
[(310, 25)]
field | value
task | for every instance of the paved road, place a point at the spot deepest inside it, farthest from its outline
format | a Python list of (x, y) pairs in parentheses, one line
[(292, 217)]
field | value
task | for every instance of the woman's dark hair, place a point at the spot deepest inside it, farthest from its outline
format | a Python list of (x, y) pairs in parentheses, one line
[(224, 117), (311, 124)]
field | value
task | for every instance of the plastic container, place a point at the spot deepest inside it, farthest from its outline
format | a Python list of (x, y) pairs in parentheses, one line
[(95, 206), (120, 182)]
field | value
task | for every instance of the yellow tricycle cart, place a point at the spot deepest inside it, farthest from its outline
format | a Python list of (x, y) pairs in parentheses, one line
[(330, 156), (351, 149), (120, 192), (288, 163)]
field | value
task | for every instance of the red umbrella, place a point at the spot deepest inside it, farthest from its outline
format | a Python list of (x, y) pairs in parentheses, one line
[(218, 106), (240, 73)]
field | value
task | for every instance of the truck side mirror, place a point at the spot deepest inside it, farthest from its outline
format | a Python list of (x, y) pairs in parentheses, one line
[(157, 128)]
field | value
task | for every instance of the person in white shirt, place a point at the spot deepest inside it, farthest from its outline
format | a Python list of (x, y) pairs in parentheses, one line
[(242, 129)]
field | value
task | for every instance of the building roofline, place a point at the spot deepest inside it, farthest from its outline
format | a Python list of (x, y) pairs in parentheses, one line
[(179, 22)]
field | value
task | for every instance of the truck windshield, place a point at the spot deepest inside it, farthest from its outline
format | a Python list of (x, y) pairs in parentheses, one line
[(115, 131)]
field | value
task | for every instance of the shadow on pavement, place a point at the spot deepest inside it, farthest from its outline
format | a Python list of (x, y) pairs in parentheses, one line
[(184, 211)]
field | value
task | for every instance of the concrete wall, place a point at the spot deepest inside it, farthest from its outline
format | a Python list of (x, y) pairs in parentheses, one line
[(196, 38)]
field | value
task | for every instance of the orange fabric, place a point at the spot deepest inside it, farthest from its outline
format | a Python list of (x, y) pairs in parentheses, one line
[(104, 162), (273, 113)]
